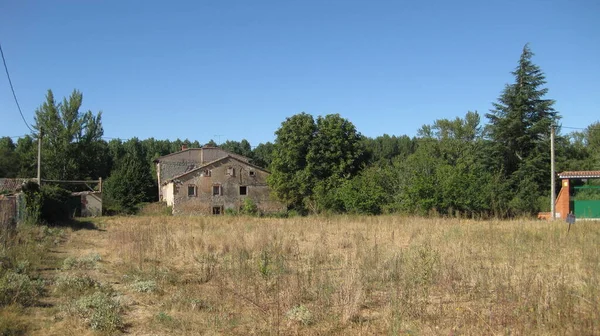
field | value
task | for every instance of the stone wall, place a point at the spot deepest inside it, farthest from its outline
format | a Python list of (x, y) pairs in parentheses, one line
[(218, 187)]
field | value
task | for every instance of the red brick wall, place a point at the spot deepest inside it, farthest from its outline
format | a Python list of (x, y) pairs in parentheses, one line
[(563, 201)]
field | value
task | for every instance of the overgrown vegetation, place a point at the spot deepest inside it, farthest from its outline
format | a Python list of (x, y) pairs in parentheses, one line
[(21, 284), (324, 165), (302, 275), (353, 275), (48, 204)]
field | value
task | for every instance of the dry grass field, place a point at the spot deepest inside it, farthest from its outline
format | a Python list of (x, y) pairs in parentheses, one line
[(386, 275)]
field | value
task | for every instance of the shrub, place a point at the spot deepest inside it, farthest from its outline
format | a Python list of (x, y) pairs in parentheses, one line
[(100, 311), (249, 207), (144, 286), (19, 288), (48, 204), (86, 262), (55, 204), (75, 285), (33, 202), (300, 314), (164, 318), (231, 212)]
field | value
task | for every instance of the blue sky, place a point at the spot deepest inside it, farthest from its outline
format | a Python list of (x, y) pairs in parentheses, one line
[(237, 69)]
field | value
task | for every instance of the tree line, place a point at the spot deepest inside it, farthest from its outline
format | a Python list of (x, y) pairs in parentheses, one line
[(324, 164)]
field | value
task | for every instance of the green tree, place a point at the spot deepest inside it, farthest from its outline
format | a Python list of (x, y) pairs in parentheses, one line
[(335, 155), (131, 182), (383, 149), (311, 159), (466, 129), (238, 147), (366, 193), (290, 180), (519, 128), (26, 151), (9, 160), (592, 140), (70, 142), (262, 155)]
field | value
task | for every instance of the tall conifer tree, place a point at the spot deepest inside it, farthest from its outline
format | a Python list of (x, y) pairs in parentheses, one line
[(520, 127)]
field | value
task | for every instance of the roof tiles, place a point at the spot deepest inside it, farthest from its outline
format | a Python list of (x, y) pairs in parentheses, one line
[(580, 174)]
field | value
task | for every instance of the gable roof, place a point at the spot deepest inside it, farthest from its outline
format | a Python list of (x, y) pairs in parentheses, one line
[(213, 162), (200, 149), (179, 152), (580, 174)]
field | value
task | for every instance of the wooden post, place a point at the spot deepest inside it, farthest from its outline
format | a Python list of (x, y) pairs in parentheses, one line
[(100, 184), (552, 177), (39, 159)]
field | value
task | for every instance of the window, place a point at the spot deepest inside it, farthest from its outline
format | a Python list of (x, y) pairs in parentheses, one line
[(243, 190), (216, 210), (206, 172), (252, 173), (230, 171), (191, 190), (216, 190)]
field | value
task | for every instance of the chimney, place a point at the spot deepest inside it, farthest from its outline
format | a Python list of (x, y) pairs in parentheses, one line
[(183, 147)]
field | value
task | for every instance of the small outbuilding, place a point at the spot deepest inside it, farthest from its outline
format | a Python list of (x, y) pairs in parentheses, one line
[(581, 200)]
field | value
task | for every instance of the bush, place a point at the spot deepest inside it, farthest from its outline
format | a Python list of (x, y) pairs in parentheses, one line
[(249, 207), (48, 204), (33, 202), (300, 314), (231, 212), (100, 311), (144, 286), (55, 204), (74, 285), (19, 288), (86, 262)]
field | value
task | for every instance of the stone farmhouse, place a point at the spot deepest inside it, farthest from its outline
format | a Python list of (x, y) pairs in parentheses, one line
[(210, 180)]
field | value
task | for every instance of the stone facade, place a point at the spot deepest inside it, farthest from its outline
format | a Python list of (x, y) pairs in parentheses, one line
[(175, 164), (220, 185)]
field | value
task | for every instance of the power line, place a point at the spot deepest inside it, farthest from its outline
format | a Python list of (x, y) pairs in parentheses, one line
[(13, 90), (111, 138), (582, 128)]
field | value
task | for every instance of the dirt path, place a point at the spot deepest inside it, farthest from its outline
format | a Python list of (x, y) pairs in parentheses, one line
[(76, 244)]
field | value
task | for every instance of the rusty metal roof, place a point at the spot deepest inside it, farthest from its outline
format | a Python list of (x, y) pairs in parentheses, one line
[(580, 174), (12, 184)]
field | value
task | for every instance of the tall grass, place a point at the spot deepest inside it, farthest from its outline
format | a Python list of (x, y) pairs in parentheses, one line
[(373, 275)]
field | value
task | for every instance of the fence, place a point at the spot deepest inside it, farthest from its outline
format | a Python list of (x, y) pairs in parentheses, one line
[(586, 201), (8, 217)]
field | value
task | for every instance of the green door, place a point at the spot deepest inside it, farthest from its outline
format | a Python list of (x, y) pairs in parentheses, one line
[(586, 208)]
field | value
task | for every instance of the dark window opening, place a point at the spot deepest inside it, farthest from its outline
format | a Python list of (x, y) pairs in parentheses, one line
[(243, 190), (216, 190), (252, 173), (206, 172), (216, 210), (191, 190)]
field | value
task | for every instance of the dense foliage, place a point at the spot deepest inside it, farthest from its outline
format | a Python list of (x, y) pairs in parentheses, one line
[(323, 164)]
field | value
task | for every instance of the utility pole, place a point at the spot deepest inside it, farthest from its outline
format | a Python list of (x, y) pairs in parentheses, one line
[(552, 177), (39, 159)]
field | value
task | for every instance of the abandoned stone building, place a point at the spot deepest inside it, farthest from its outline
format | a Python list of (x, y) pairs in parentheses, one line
[(210, 180)]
